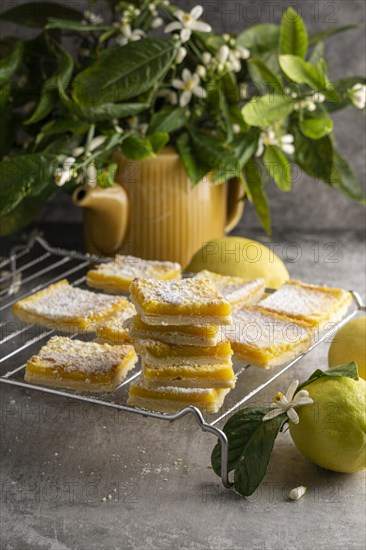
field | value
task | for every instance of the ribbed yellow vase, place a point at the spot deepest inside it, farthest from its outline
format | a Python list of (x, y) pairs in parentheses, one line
[(155, 212)]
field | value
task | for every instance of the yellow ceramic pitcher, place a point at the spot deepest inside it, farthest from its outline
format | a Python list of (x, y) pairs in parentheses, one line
[(153, 211)]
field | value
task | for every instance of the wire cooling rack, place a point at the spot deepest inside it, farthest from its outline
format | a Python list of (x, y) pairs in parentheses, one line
[(31, 268)]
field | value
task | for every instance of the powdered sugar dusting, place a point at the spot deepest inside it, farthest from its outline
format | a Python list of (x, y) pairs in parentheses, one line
[(130, 267), (74, 355), (65, 302), (263, 329), (178, 293), (232, 288), (293, 299)]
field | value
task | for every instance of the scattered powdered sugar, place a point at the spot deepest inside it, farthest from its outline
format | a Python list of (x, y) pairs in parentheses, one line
[(130, 267), (65, 302), (294, 299), (232, 288), (117, 321), (74, 355), (178, 292), (263, 329)]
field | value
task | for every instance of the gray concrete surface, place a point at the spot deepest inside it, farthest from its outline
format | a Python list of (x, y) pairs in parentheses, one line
[(310, 204), (59, 460)]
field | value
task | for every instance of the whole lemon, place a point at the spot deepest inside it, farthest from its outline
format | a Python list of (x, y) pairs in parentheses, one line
[(332, 431), (349, 344), (240, 257)]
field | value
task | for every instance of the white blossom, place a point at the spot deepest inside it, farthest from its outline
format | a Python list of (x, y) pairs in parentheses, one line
[(206, 58), (297, 493), (201, 71), (92, 175), (156, 23), (236, 128), (188, 22), (169, 95), (190, 85), (181, 53), (128, 35), (310, 102), (140, 127), (93, 18), (64, 174), (268, 137), (358, 95), (287, 403)]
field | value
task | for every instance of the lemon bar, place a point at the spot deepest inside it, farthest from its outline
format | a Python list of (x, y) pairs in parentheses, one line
[(73, 364), (184, 302), (172, 399), (116, 276), (188, 335), (187, 366), (266, 339), (114, 331), (317, 305), (67, 308), (237, 291)]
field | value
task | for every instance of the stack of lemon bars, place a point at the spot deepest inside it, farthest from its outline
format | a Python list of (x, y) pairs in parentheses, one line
[(185, 330)]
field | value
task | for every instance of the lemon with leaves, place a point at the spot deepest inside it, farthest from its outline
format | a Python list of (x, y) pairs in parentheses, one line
[(240, 257), (331, 432), (349, 344)]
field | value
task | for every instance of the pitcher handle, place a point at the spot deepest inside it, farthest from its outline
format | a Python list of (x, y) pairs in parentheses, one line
[(235, 204)]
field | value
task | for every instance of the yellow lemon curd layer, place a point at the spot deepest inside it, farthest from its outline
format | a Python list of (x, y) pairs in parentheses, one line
[(219, 372), (209, 331), (166, 351), (190, 396)]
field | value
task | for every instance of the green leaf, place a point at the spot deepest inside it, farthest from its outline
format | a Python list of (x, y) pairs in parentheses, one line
[(316, 127), (23, 176), (262, 76), (108, 111), (195, 169), (315, 157), (137, 147), (36, 14), (10, 63), (63, 125), (238, 429), (123, 72), (250, 445), (293, 35), (344, 179), (257, 195), (158, 140), (302, 72), (260, 38), (278, 167), (214, 153), (106, 177), (252, 465), (78, 26), (49, 92), (322, 35), (349, 370), (168, 119), (265, 110), (317, 54), (23, 214)]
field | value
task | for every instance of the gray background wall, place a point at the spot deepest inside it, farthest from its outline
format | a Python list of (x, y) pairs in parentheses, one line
[(310, 205)]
